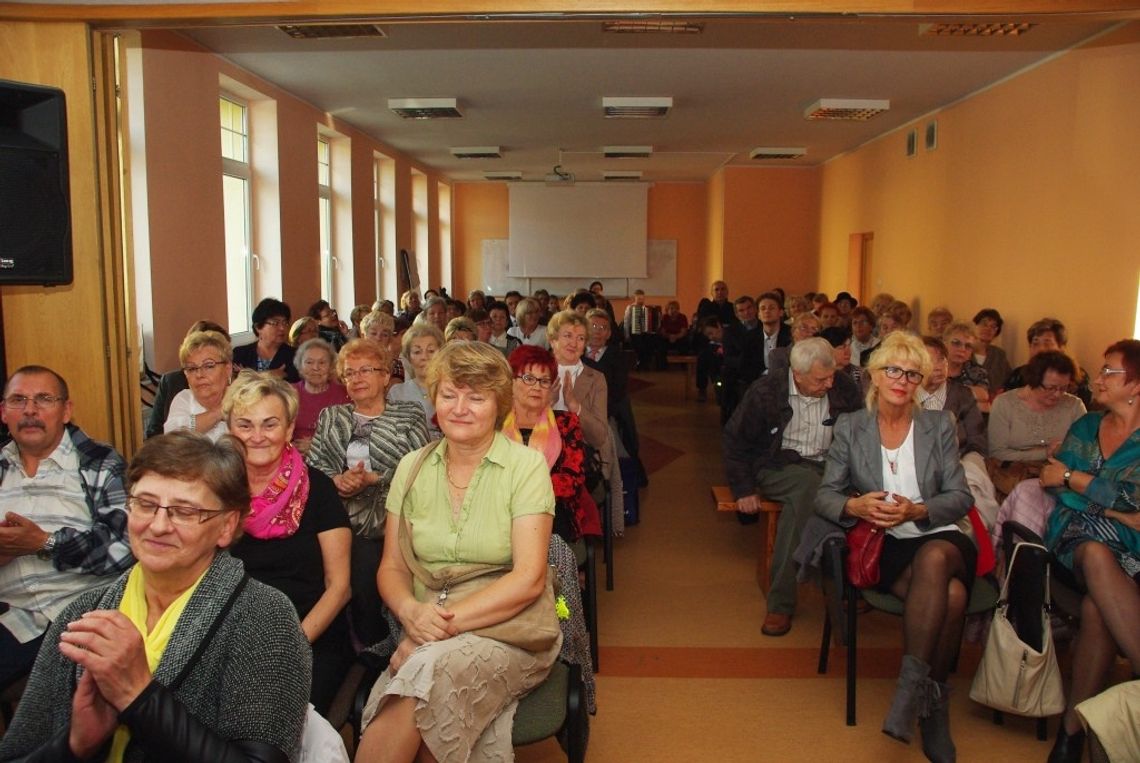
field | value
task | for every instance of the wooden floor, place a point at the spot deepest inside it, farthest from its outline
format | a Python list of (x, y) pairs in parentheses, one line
[(685, 673)]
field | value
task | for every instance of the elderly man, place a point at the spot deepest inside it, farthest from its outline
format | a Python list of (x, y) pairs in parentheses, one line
[(775, 445), (64, 508)]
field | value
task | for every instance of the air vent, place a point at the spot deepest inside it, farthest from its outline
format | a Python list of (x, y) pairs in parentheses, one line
[(1010, 29), (611, 176), (777, 153), (636, 108), (502, 176), (476, 152), (848, 109), (653, 27), (327, 31), (426, 108), (627, 152)]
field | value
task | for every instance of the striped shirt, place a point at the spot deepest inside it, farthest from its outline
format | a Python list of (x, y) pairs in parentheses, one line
[(805, 433)]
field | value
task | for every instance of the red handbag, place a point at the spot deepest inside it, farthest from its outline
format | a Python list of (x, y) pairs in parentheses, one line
[(864, 547)]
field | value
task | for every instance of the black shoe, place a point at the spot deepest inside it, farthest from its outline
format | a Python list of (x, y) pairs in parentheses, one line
[(747, 519), (1068, 747)]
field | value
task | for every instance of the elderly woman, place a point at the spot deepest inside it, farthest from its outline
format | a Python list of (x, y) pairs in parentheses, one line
[(173, 382), (987, 354), (896, 466), (302, 330), (804, 326), (434, 313), (270, 352), (317, 390), (459, 328), (960, 339), (381, 328), (358, 446), (1045, 335), (863, 338), (557, 435), (1028, 423), (1095, 531), (938, 320), (578, 388), (478, 498), (528, 330), (420, 343), (207, 362), (500, 316), (177, 657), (296, 534)]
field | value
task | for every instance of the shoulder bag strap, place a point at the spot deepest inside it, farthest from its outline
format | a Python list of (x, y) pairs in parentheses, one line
[(205, 642)]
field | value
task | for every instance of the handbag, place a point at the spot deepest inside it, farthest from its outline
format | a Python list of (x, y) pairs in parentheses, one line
[(1013, 676), (864, 547), (535, 628)]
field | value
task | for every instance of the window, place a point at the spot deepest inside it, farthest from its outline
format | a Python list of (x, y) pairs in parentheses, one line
[(443, 191), (324, 209), (384, 203), (420, 229), (236, 197)]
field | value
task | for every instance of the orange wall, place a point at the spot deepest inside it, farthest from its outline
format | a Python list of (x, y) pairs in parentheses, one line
[(1028, 204), (481, 212)]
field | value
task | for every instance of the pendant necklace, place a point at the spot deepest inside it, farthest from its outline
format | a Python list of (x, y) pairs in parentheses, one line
[(892, 463)]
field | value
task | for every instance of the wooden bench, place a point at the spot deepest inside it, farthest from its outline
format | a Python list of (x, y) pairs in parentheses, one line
[(769, 518), (688, 362)]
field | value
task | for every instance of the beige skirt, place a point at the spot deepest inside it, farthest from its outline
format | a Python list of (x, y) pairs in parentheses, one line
[(467, 688)]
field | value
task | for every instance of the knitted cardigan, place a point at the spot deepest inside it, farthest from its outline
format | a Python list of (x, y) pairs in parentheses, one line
[(252, 682)]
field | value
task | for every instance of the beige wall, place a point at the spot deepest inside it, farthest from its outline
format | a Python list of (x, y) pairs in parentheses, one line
[(1029, 203)]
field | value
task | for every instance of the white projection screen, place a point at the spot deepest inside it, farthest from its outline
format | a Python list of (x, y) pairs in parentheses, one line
[(580, 230)]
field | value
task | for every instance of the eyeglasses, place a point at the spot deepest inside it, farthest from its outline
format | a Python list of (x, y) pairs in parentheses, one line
[(961, 343), (42, 400), (277, 322), (1053, 389), (203, 368), (530, 380), (894, 372), (351, 373), (1105, 371), (178, 515), (599, 326)]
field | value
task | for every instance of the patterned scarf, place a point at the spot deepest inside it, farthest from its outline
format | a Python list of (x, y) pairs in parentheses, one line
[(276, 512), (544, 437)]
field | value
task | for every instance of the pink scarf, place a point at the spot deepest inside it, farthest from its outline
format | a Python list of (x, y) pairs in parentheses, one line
[(544, 437), (276, 512)]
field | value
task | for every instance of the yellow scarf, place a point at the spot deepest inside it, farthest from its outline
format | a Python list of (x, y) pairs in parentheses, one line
[(134, 607), (544, 437)]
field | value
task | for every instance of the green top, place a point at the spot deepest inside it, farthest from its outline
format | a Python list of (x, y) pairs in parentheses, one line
[(511, 481)]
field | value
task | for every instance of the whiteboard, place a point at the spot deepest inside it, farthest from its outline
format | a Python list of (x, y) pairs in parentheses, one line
[(661, 281)]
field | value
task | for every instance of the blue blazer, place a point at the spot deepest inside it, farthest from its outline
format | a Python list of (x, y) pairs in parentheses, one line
[(855, 465)]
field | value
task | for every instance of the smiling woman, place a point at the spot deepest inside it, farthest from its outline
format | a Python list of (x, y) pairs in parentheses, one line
[(207, 362)]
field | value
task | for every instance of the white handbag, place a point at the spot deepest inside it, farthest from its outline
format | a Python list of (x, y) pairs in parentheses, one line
[(1012, 676)]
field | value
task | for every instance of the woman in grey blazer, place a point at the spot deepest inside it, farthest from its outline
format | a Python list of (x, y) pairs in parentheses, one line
[(896, 466)]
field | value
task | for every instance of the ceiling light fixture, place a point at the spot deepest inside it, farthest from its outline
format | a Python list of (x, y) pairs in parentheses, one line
[(647, 27), (995, 29), (627, 152), (636, 107), (476, 152), (848, 109), (327, 31), (426, 108), (506, 175), (621, 175), (777, 153)]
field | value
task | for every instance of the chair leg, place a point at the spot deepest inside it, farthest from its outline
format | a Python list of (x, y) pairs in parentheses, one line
[(824, 643), (576, 721), (590, 602), (1042, 729), (608, 542), (850, 597)]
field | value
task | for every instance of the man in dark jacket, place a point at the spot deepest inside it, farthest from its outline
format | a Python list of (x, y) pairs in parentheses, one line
[(775, 445)]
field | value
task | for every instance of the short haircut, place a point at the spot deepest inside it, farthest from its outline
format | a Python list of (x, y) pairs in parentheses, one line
[(316, 343), (863, 312), (431, 302), (476, 293), (772, 295), (598, 313), (512, 293), (743, 299), (1129, 350), (200, 339), (364, 348), (940, 310), (377, 318), (827, 306), (191, 457), (251, 387), (525, 307), (33, 370), (406, 296), (992, 315), (561, 318), (803, 318), (492, 306), (270, 308), (639, 292), (315, 308), (898, 347), (208, 326), (936, 343), (901, 313), (477, 315), (417, 331), (960, 327), (358, 313), (1054, 360), (807, 353), (455, 325), (527, 355), (541, 293), (836, 336), (1044, 326), (299, 326), (476, 365), (583, 298)]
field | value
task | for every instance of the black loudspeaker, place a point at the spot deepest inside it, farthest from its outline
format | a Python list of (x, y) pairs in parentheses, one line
[(35, 214)]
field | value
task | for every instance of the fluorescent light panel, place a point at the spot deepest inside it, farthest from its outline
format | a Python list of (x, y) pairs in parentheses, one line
[(476, 152), (327, 31), (846, 109), (627, 152), (636, 107), (777, 153), (506, 175), (612, 175), (426, 108)]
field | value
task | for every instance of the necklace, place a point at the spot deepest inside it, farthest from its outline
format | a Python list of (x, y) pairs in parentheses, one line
[(447, 473), (892, 463)]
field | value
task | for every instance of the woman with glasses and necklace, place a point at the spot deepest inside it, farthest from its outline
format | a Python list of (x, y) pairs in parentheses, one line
[(297, 537), (271, 352), (557, 435), (358, 446), (207, 362), (175, 659), (896, 466), (1094, 532)]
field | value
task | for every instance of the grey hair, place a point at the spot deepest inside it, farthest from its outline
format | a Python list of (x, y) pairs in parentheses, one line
[(808, 352), (316, 343)]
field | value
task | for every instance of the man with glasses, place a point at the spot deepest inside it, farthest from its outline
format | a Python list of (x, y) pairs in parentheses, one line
[(64, 514), (775, 445)]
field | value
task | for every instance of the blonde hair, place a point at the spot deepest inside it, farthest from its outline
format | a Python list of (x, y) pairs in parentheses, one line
[(960, 327), (386, 322), (363, 348), (299, 326), (559, 319), (455, 325), (898, 347), (196, 340), (417, 331), (251, 387), (477, 365)]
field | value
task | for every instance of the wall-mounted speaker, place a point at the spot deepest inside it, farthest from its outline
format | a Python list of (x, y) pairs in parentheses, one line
[(35, 213)]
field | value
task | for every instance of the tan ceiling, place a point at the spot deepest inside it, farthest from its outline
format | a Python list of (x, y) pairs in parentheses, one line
[(535, 87)]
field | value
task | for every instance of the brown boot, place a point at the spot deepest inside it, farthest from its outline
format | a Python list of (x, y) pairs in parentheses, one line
[(905, 705)]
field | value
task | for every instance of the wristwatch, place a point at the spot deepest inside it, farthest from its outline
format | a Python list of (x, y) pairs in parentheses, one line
[(47, 550), (1067, 476)]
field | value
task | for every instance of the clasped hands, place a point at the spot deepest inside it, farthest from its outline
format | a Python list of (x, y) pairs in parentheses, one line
[(881, 512), (423, 623), (353, 480), (110, 650)]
